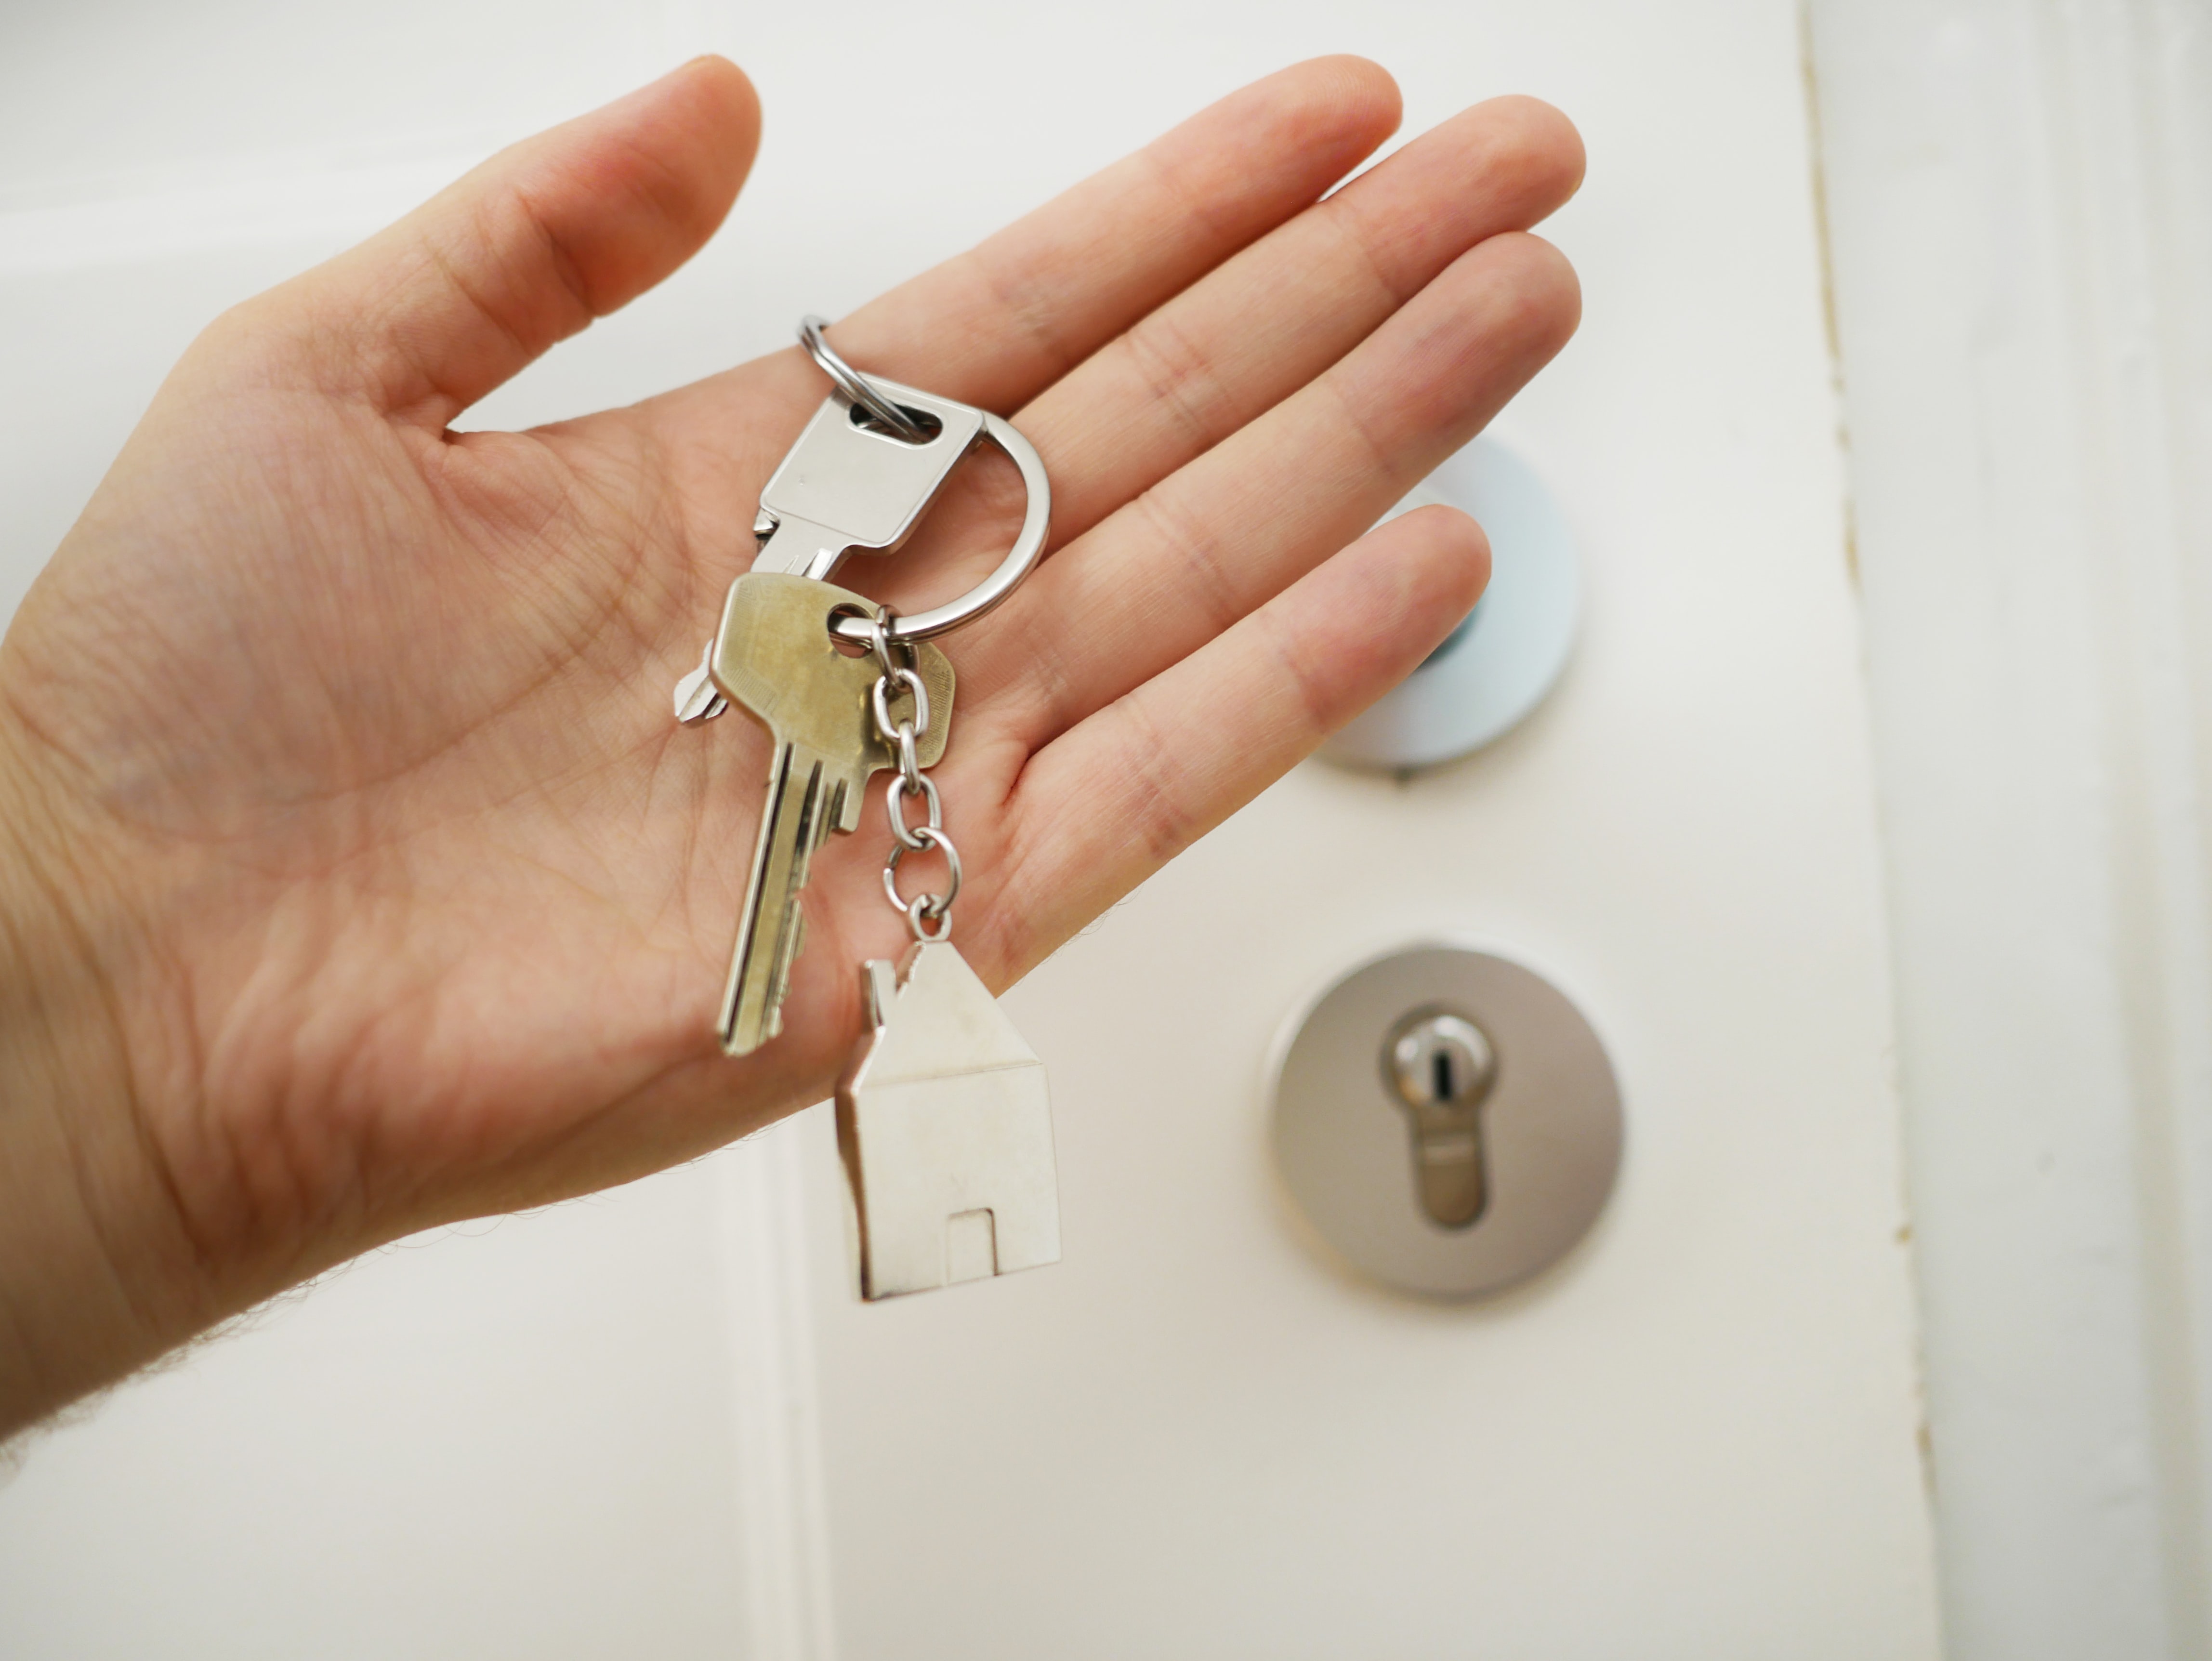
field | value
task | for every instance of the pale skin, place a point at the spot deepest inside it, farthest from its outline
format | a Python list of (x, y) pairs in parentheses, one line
[(354, 877)]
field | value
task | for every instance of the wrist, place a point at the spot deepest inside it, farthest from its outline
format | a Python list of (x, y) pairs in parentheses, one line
[(98, 1274)]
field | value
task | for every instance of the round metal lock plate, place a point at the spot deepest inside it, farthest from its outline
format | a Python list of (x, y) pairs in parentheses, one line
[(1500, 663), (1361, 1149)]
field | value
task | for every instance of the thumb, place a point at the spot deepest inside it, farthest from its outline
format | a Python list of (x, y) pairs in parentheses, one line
[(427, 317)]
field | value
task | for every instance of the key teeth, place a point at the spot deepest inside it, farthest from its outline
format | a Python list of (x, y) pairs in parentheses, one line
[(798, 945), (793, 942)]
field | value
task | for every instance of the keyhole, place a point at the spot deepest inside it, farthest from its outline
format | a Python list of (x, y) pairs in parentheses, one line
[(1441, 1067)]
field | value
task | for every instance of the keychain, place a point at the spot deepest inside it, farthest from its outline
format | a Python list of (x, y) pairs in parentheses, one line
[(943, 1125)]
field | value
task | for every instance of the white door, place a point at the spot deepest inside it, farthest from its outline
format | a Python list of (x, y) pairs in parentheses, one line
[(656, 1422)]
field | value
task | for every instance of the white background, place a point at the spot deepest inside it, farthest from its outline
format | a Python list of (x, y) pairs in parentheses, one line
[(655, 1422)]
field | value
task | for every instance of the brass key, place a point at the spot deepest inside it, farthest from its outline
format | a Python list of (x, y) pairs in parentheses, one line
[(775, 657)]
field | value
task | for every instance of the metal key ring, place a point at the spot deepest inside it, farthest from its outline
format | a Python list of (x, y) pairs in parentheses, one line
[(1021, 558), (854, 385)]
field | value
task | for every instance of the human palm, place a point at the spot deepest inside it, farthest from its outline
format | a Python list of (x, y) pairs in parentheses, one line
[(351, 732)]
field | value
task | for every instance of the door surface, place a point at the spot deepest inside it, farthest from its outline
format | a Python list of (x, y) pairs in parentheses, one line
[(656, 1422)]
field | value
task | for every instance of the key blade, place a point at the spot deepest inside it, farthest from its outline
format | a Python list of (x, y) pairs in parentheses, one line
[(794, 820)]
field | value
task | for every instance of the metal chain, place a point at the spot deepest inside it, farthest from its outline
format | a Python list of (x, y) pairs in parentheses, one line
[(928, 916)]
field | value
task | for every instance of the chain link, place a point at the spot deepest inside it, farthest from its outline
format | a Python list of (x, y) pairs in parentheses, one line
[(925, 909), (895, 799), (895, 662)]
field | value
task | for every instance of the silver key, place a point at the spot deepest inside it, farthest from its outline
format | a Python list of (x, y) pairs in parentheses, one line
[(944, 1127), (773, 657), (847, 486)]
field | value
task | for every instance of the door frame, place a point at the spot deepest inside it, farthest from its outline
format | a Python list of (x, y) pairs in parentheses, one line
[(2017, 201)]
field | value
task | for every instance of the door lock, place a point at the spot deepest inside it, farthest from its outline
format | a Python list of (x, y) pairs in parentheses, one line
[(1506, 1095), (1442, 1066)]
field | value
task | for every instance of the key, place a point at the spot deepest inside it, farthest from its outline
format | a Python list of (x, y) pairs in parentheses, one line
[(775, 657), (945, 1128), (847, 486)]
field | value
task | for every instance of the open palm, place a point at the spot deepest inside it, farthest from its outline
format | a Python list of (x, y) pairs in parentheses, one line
[(352, 732)]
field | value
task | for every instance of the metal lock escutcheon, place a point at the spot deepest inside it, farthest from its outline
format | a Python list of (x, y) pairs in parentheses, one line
[(1446, 1120)]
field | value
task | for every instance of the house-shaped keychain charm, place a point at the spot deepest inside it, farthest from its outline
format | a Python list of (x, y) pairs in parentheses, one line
[(946, 1131)]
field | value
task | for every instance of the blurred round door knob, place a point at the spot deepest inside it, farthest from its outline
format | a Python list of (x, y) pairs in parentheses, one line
[(1496, 667), (1446, 1121)]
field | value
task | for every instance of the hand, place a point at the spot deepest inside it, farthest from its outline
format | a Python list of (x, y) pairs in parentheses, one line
[(357, 878)]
